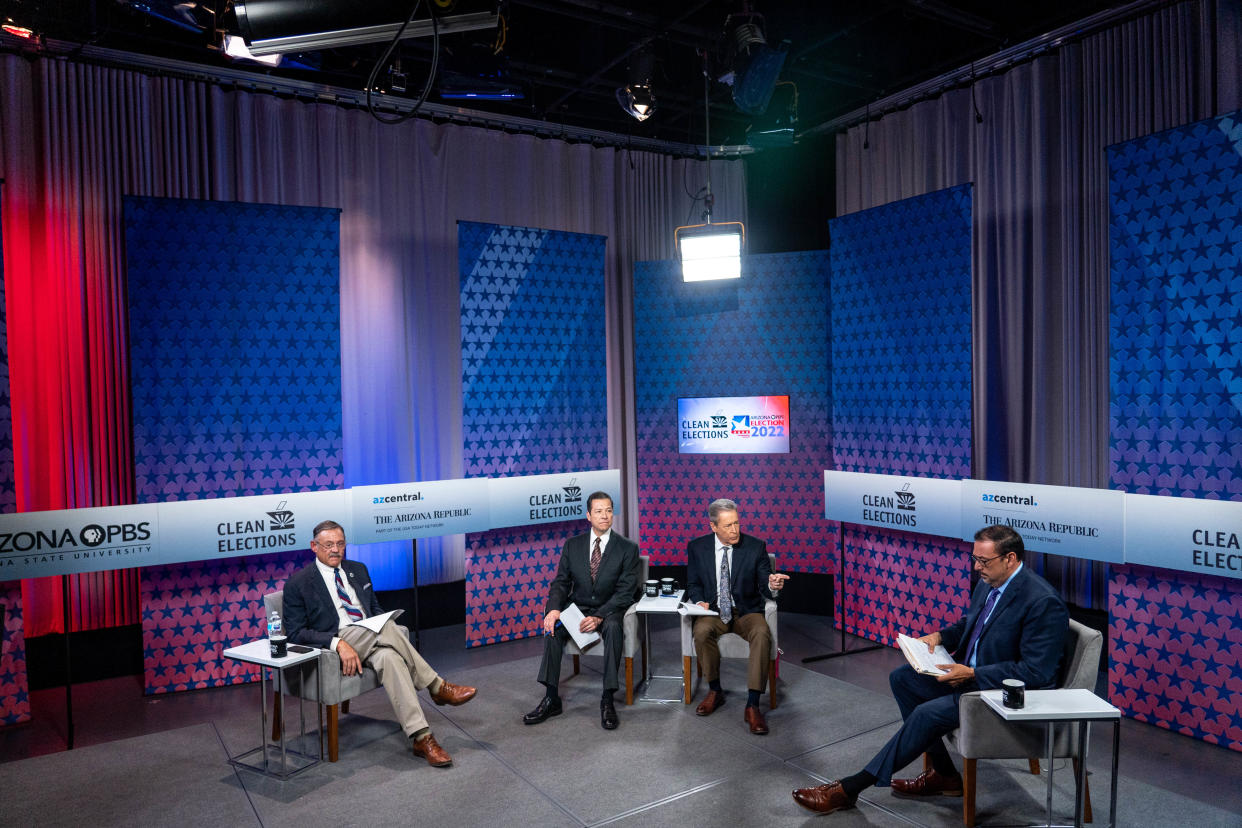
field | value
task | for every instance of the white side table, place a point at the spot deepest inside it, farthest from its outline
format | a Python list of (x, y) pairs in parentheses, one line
[(290, 761), (659, 605), (1068, 705)]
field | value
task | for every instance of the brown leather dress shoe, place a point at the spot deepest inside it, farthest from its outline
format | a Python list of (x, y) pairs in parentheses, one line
[(708, 706), (823, 799), (754, 717), (453, 694), (928, 783), (429, 749)]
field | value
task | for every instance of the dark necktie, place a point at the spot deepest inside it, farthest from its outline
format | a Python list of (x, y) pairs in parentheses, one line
[(725, 591), (596, 556), (978, 630), (353, 612)]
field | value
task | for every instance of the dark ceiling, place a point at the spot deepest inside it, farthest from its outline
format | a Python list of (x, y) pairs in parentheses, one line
[(568, 57)]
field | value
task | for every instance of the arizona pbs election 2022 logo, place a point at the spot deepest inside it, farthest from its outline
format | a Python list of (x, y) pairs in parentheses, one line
[(733, 425)]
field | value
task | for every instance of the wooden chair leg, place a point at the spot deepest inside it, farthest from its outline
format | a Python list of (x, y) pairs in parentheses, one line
[(576, 665), (1034, 763), (685, 676), (1086, 791), (926, 762), (345, 707), (277, 712), (334, 732), (968, 792), (771, 685), (629, 679)]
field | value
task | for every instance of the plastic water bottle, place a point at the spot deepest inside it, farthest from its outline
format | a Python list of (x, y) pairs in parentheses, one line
[(276, 635)]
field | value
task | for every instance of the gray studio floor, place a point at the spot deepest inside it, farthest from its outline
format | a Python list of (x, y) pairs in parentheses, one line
[(163, 760)]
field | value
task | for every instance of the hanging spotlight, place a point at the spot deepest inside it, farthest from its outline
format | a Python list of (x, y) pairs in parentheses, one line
[(710, 251), (636, 97), (755, 65)]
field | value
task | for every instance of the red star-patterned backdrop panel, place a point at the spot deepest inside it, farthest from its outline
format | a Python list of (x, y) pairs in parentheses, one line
[(901, 398), (192, 612), (1176, 415), (764, 334)]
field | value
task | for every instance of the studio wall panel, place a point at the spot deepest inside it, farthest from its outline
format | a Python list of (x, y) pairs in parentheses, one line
[(1176, 415), (901, 397), (534, 399), (764, 334), (236, 382)]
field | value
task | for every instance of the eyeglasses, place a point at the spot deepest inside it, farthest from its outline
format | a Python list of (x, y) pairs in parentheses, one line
[(985, 561), (330, 545)]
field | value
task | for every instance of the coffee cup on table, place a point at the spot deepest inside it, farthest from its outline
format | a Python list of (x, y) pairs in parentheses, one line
[(1013, 694), (651, 588), (666, 586)]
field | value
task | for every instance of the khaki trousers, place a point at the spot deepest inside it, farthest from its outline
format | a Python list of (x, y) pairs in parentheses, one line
[(402, 671), (752, 626)]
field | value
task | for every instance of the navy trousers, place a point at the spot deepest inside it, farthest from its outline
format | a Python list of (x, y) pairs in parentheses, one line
[(928, 712)]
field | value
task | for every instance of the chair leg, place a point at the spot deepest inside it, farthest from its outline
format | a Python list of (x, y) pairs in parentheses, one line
[(334, 732), (644, 646), (685, 676), (968, 792), (1034, 763), (575, 665), (277, 712), (772, 685), (1086, 791), (629, 679), (345, 707)]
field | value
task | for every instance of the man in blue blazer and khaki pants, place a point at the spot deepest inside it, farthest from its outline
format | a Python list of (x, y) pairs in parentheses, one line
[(324, 599), (1015, 629), (726, 556)]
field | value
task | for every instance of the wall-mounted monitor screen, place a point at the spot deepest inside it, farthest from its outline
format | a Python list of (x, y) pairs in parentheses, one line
[(733, 425)]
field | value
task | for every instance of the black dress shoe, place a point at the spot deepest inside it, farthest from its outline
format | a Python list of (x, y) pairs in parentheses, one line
[(608, 715), (546, 709)]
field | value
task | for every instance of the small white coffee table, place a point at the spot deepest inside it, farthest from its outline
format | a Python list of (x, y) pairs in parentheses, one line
[(1069, 705), (659, 605), (290, 761)]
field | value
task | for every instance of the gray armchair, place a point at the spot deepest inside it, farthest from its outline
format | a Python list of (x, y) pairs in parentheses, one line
[(731, 645), (982, 734), (633, 642), (338, 689)]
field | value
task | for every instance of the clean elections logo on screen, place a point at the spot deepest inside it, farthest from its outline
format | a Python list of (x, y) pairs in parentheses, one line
[(733, 425)]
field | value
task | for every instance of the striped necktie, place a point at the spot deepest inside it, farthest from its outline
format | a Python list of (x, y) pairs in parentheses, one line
[(596, 557), (353, 612)]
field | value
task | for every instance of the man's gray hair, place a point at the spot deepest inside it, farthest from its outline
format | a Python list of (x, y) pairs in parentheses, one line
[(718, 506)]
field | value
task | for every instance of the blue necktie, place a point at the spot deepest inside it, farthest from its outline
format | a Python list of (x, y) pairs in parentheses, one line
[(979, 622)]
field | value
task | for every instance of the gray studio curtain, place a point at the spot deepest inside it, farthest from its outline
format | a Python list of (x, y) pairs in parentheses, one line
[(1041, 280), (105, 132)]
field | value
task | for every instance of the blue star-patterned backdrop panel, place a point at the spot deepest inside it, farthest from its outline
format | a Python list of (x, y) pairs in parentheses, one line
[(1176, 414), (534, 400), (235, 358), (14, 694), (764, 334), (235, 370), (901, 396)]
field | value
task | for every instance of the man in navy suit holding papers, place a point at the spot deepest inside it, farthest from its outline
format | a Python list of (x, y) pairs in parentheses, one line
[(323, 600), (598, 572), (1015, 629)]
